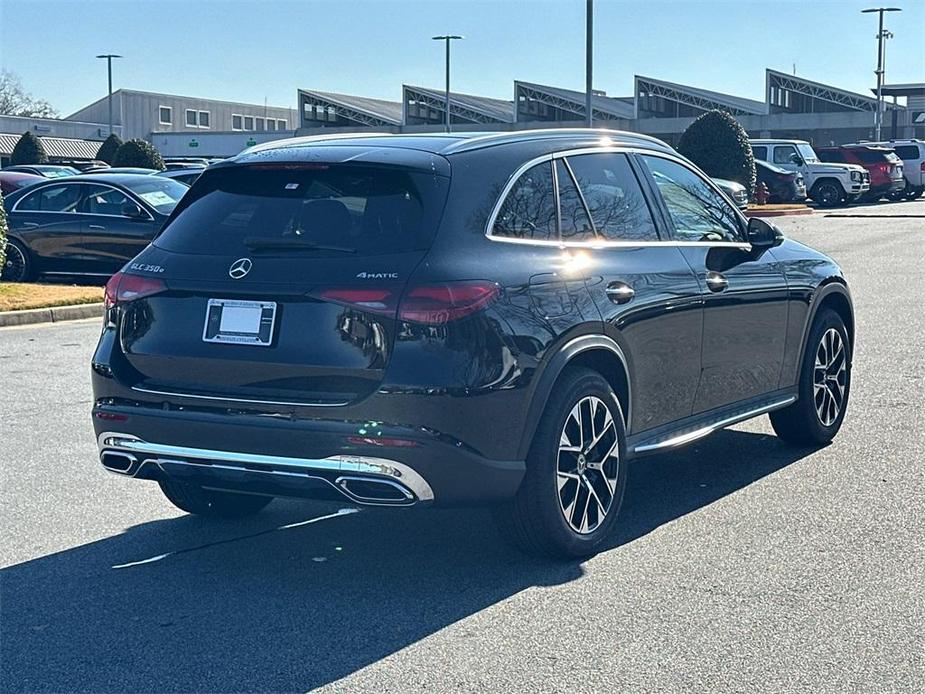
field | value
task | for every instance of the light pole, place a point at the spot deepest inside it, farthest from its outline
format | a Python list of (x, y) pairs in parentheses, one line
[(109, 57), (589, 59), (881, 58), (447, 38)]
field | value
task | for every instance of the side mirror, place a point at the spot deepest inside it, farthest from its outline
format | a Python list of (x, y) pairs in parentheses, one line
[(133, 211), (762, 234), (797, 159)]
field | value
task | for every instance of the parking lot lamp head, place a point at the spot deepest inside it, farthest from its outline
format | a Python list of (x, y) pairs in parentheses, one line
[(447, 38), (881, 59)]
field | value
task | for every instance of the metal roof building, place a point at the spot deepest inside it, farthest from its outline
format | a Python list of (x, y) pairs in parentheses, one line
[(540, 102), (424, 106), (329, 109), (791, 94), (661, 99), (57, 148)]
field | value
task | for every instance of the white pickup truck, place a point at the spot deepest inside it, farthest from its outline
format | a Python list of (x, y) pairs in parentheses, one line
[(828, 184)]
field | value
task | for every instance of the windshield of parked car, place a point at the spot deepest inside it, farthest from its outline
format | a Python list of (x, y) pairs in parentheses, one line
[(808, 153), (162, 194), (295, 208)]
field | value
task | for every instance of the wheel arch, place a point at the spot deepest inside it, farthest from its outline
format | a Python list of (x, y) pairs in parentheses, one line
[(832, 293), (596, 352)]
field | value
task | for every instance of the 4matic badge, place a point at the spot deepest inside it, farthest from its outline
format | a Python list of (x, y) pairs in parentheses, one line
[(377, 275)]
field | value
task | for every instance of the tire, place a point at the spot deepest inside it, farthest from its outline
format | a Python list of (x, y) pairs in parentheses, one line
[(828, 193), (207, 502), (896, 195), (914, 193), (18, 266), (543, 519), (817, 415)]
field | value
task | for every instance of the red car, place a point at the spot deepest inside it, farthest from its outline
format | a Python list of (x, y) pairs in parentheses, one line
[(11, 181), (885, 168)]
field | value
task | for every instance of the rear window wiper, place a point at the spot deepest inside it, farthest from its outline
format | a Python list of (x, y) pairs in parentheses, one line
[(265, 244)]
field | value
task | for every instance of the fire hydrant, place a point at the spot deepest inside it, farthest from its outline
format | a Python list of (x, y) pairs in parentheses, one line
[(762, 193)]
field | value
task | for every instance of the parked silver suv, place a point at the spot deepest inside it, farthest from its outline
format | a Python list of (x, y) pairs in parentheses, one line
[(912, 152)]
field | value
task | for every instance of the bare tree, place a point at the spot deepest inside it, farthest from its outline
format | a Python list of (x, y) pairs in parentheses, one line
[(15, 101)]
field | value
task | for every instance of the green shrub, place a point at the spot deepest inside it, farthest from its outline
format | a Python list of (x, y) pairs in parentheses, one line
[(107, 150), (2, 236), (29, 150), (718, 144), (139, 153)]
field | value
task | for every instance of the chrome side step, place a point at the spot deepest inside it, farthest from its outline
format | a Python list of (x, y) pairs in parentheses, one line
[(678, 439), (363, 479)]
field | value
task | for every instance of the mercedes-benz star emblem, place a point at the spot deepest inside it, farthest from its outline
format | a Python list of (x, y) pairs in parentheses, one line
[(239, 268)]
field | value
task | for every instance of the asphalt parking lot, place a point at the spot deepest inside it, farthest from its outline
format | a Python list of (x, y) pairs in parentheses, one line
[(742, 564)]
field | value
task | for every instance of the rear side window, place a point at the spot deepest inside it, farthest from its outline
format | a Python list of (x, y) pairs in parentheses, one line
[(574, 224), (529, 210), (283, 209), (760, 152), (907, 152), (52, 199), (610, 189), (831, 155)]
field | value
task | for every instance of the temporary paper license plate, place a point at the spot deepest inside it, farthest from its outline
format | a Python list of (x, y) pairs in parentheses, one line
[(240, 322)]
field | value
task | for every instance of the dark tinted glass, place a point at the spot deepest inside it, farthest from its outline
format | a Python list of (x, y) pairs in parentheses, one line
[(574, 224), (280, 209), (871, 156), (614, 198), (529, 210), (52, 199), (760, 152), (698, 212), (103, 200), (907, 151), (831, 155)]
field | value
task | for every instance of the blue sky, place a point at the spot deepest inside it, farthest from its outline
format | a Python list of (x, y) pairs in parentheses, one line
[(250, 50)]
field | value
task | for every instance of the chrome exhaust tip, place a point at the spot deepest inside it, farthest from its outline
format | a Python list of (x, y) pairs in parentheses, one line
[(119, 462), (370, 490)]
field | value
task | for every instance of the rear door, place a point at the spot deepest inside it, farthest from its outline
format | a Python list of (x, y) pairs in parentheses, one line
[(48, 222), (644, 288), (110, 236), (281, 283), (745, 293)]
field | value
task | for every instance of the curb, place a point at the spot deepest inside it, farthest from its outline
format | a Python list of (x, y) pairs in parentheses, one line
[(55, 314), (779, 213)]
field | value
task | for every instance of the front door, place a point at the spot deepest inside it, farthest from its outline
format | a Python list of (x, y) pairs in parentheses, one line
[(110, 237), (744, 291), (47, 221)]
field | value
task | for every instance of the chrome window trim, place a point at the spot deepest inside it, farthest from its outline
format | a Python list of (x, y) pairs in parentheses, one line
[(602, 243), (38, 191), (131, 196)]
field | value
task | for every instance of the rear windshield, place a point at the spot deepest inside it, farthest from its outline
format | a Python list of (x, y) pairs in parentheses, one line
[(872, 156), (318, 209)]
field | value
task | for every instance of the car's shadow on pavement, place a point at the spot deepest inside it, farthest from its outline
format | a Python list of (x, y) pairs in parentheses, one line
[(295, 608)]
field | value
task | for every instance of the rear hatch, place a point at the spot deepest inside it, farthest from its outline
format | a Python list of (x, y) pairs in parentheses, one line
[(279, 282)]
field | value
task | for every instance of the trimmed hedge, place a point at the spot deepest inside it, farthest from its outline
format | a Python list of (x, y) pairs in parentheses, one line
[(29, 150), (107, 150), (2, 236), (718, 144), (139, 153)]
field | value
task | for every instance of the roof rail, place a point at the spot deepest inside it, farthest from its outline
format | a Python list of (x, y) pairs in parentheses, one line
[(539, 134)]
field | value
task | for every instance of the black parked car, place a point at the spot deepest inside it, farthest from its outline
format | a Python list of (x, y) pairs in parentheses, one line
[(456, 319), (45, 170), (84, 225), (783, 186)]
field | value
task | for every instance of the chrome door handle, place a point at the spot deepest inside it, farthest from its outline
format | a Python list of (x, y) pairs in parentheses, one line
[(716, 282), (98, 227), (619, 292)]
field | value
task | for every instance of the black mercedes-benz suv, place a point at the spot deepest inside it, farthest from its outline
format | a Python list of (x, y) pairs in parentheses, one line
[(502, 318)]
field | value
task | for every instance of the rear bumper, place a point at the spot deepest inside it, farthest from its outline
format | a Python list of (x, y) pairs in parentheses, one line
[(298, 458)]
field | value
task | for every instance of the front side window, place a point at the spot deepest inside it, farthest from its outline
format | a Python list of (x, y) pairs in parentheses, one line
[(574, 224), (529, 210), (784, 154), (614, 198), (697, 211), (52, 199), (103, 200)]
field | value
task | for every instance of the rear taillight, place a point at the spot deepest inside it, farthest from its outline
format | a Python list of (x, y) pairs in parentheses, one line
[(122, 288), (922, 167), (432, 304)]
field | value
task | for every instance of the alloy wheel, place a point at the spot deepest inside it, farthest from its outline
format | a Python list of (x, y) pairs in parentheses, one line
[(14, 269), (588, 464), (829, 194), (830, 377)]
